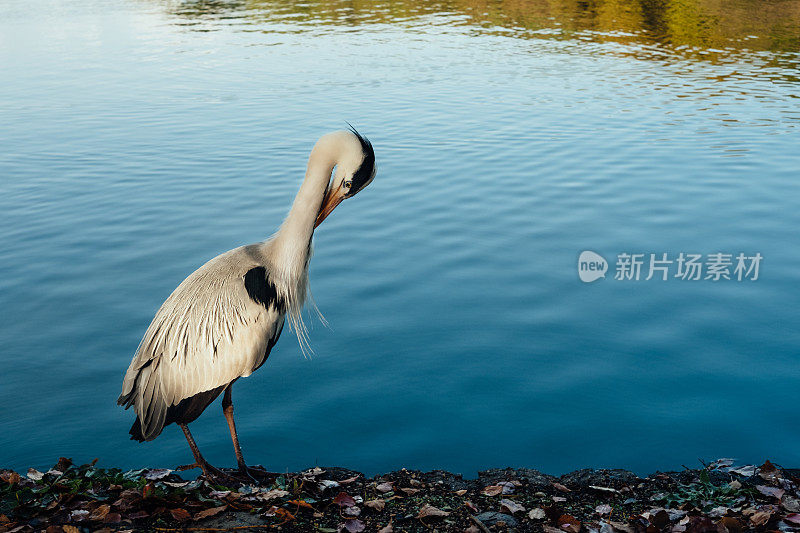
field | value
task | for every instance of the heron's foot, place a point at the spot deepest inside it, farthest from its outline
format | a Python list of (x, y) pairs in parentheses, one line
[(212, 474), (255, 474)]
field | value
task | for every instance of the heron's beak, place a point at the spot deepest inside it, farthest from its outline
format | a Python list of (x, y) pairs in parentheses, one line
[(329, 203)]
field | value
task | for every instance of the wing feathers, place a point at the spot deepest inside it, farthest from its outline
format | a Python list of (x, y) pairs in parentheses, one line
[(208, 333)]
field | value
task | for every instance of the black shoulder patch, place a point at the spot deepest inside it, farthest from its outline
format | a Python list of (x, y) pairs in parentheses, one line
[(261, 290)]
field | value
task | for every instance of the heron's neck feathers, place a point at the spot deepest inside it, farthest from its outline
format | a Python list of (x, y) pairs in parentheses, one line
[(291, 245)]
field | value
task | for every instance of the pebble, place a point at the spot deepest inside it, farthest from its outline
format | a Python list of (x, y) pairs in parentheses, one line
[(491, 518)]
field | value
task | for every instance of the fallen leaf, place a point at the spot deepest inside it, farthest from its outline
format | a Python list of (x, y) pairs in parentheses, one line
[(70, 529), (386, 529), (551, 529), (301, 503), (157, 473), (34, 474), (509, 486), (461, 492), (100, 513), (79, 514), (731, 524), (735, 485), (409, 491), (326, 484), (760, 518), (560, 487), (10, 477), (429, 510), (377, 505), (63, 464), (793, 518), (349, 480), (137, 515), (269, 495), (791, 504), (660, 519), (471, 506), (746, 471), (181, 515), (282, 513), (148, 490), (113, 518), (386, 486), (510, 506), (211, 511), (352, 511), (620, 526), (569, 523), (559, 499), (537, 514), (771, 491), (492, 490), (344, 500), (354, 526), (603, 489), (603, 509)]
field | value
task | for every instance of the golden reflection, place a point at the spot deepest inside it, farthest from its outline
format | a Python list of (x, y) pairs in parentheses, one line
[(716, 25)]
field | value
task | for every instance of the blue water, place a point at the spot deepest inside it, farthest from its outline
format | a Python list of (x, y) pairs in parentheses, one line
[(138, 139)]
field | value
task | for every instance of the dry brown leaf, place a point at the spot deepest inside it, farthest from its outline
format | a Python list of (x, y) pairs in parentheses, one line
[(510, 506), (409, 490), (461, 492), (212, 511), (386, 486), (569, 523), (181, 515), (100, 513), (10, 477), (344, 500), (561, 487), (760, 518), (492, 490), (113, 518), (377, 505), (386, 529), (621, 526), (731, 524), (70, 529), (429, 510)]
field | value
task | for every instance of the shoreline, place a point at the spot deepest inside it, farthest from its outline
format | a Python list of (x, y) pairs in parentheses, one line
[(721, 497)]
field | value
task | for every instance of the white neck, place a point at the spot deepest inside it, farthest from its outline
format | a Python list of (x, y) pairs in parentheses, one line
[(291, 245)]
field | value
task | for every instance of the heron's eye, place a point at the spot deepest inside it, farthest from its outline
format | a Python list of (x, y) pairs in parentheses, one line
[(347, 184)]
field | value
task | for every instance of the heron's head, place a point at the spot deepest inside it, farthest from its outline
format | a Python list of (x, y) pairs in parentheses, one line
[(355, 169)]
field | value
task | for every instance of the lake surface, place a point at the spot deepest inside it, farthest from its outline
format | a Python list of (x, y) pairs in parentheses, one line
[(140, 138)]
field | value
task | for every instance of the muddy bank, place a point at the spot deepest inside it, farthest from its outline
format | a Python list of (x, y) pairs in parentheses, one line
[(720, 497)]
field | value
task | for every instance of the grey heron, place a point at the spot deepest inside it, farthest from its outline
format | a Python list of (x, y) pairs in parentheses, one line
[(222, 321)]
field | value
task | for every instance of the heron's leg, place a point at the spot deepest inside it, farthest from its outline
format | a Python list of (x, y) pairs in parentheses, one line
[(208, 470), (227, 410)]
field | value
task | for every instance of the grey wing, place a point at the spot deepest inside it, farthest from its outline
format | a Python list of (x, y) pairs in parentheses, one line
[(212, 330)]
